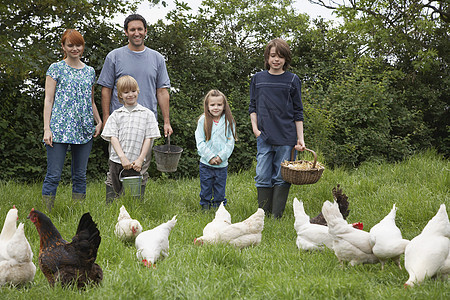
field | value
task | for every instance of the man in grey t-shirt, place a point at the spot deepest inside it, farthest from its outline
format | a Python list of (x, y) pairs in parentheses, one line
[(148, 67)]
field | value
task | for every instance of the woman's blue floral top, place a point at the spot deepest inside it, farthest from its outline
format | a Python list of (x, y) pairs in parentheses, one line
[(72, 119)]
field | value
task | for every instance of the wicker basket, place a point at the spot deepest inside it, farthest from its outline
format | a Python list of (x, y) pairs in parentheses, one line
[(300, 177)]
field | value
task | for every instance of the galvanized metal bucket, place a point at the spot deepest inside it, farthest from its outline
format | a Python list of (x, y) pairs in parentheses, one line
[(167, 156), (131, 184)]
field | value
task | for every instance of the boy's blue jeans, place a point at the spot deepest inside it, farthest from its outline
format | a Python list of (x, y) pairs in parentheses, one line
[(55, 162), (268, 163), (212, 183)]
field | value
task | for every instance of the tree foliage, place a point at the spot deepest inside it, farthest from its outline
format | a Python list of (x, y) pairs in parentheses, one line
[(374, 87)]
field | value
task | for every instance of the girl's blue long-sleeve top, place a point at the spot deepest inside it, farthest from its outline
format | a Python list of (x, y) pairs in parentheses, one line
[(220, 144)]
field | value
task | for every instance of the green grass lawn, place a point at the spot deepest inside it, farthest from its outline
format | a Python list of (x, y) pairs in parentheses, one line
[(275, 269)]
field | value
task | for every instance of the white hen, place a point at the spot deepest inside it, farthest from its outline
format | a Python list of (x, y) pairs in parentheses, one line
[(8, 230), (386, 239), (211, 231), (246, 233), (153, 245), (428, 254), (309, 236), (127, 229), (19, 268), (349, 244)]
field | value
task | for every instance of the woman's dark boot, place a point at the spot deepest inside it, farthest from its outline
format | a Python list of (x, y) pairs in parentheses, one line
[(49, 201), (78, 196)]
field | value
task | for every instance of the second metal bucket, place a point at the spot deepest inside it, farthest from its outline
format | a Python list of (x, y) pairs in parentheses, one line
[(167, 156), (131, 185)]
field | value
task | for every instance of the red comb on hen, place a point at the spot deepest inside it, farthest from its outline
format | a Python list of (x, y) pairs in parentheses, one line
[(358, 225)]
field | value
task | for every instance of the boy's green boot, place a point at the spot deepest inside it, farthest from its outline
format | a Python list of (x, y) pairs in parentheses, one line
[(110, 194), (280, 195), (265, 196)]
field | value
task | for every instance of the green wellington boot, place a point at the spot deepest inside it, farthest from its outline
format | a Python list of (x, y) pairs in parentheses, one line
[(49, 201), (265, 196), (280, 195)]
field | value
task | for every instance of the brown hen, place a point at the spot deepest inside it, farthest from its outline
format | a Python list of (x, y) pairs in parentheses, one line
[(68, 263)]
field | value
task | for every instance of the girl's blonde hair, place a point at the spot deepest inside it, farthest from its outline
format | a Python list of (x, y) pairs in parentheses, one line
[(72, 36), (229, 120), (124, 84)]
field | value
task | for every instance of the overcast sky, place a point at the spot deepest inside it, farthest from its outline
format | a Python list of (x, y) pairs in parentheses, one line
[(152, 14)]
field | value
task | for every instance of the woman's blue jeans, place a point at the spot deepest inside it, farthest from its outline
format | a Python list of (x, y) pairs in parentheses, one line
[(212, 183), (55, 162), (268, 163)]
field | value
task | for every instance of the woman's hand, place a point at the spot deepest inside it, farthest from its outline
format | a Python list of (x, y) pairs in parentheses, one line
[(48, 137), (98, 129)]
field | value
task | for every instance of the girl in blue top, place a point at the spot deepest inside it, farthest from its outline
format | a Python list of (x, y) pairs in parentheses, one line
[(215, 136), (69, 113)]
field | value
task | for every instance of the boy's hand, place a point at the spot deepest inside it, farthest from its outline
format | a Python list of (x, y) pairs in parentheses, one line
[(137, 164), (126, 163), (300, 145)]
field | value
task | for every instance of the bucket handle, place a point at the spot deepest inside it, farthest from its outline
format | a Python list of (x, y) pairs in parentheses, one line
[(168, 143), (120, 175)]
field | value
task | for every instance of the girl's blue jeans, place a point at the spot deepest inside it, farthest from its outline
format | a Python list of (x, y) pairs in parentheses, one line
[(268, 163), (55, 162), (212, 184)]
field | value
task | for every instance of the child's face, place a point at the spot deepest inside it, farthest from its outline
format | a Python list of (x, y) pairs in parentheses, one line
[(216, 106), (276, 62), (130, 97)]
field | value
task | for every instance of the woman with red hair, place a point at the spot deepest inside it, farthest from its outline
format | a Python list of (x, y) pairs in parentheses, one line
[(69, 114)]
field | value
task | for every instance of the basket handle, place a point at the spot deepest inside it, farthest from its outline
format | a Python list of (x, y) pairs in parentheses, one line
[(314, 153)]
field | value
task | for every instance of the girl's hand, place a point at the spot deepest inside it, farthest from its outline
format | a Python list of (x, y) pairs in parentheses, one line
[(212, 161), (218, 160), (257, 133), (48, 137), (126, 163), (98, 129)]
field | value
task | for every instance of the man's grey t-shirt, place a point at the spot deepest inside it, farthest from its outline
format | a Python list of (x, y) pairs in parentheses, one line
[(148, 67)]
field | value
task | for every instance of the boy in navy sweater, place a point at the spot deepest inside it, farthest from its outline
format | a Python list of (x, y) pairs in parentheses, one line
[(276, 113)]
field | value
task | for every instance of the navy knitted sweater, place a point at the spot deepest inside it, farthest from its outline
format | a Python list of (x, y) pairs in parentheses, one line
[(276, 100)]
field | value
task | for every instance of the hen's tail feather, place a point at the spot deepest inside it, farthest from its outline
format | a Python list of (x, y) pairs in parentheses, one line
[(87, 230), (341, 199)]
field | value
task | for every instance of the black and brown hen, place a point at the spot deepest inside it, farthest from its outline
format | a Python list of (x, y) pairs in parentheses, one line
[(341, 199), (68, 263)]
